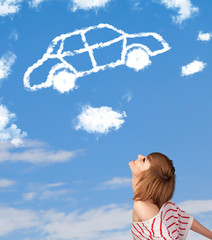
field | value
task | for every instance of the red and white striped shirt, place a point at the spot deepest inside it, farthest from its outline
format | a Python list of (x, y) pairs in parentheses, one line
[(171, 223)]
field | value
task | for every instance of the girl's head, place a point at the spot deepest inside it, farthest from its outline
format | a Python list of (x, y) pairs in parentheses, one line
[(155, 176)]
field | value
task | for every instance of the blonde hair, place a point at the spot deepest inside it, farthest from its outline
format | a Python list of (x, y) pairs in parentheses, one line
[(158, 182)]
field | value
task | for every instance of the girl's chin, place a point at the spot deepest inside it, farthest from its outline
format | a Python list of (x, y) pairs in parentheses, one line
[(131, 165)]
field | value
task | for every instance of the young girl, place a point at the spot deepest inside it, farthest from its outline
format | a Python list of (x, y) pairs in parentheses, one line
[(155, 216)]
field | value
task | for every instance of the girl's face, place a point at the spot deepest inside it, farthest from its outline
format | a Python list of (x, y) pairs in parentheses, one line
[(139, 165)]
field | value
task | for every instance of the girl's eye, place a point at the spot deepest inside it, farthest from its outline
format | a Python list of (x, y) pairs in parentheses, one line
[(144, 160)]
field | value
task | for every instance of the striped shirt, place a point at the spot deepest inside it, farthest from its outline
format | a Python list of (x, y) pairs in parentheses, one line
[(171, 223)]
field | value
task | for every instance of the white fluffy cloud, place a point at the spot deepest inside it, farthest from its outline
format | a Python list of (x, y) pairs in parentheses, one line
[(6, 62), (116, 182), (184, 7), (87, 5), (34, 152), (99, 120), (4, 183), (193, 67), (9, 132), (204, 36), (8, 7)]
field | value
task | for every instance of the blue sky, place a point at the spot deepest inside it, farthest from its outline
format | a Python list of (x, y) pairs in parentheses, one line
[(64, 149)]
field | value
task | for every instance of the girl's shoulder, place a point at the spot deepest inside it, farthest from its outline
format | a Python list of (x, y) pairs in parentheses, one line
[(144, 211)]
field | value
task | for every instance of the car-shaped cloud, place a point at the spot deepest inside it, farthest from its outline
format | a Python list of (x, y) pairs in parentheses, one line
[(62, 75)]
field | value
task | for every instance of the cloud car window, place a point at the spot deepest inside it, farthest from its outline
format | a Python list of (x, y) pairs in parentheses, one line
[(73, 43), (101, 35)]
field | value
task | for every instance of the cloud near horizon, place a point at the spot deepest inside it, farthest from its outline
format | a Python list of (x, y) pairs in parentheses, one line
[(10, 219), (196, 206), (108, 222), (99, 120), (96, 223)]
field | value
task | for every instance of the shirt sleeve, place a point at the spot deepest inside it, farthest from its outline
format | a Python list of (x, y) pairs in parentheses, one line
[(177, 221), (185, 221)]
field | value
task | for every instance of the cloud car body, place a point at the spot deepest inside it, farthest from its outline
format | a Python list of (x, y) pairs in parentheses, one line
[(64, 65)]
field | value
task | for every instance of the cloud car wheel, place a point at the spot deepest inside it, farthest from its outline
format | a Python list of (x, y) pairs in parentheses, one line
[(62, 78), (137, 58)]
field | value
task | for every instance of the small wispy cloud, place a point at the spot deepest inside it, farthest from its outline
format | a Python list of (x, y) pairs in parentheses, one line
[(204, 36), (116, 182), (53, 185), (193, 67), (49, 194), (99, 120), (6, 62), (136, 5), (35, 3), (87, 5), (9, 132), (14, 35), (4, 183), (196, 206), (29, 196), (8, 7), (34, 154), (47, 191), (184, 7), (128, 96), (46, 195)]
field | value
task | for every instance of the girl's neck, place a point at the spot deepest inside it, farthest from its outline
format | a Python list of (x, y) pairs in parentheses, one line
[(134, 183)]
